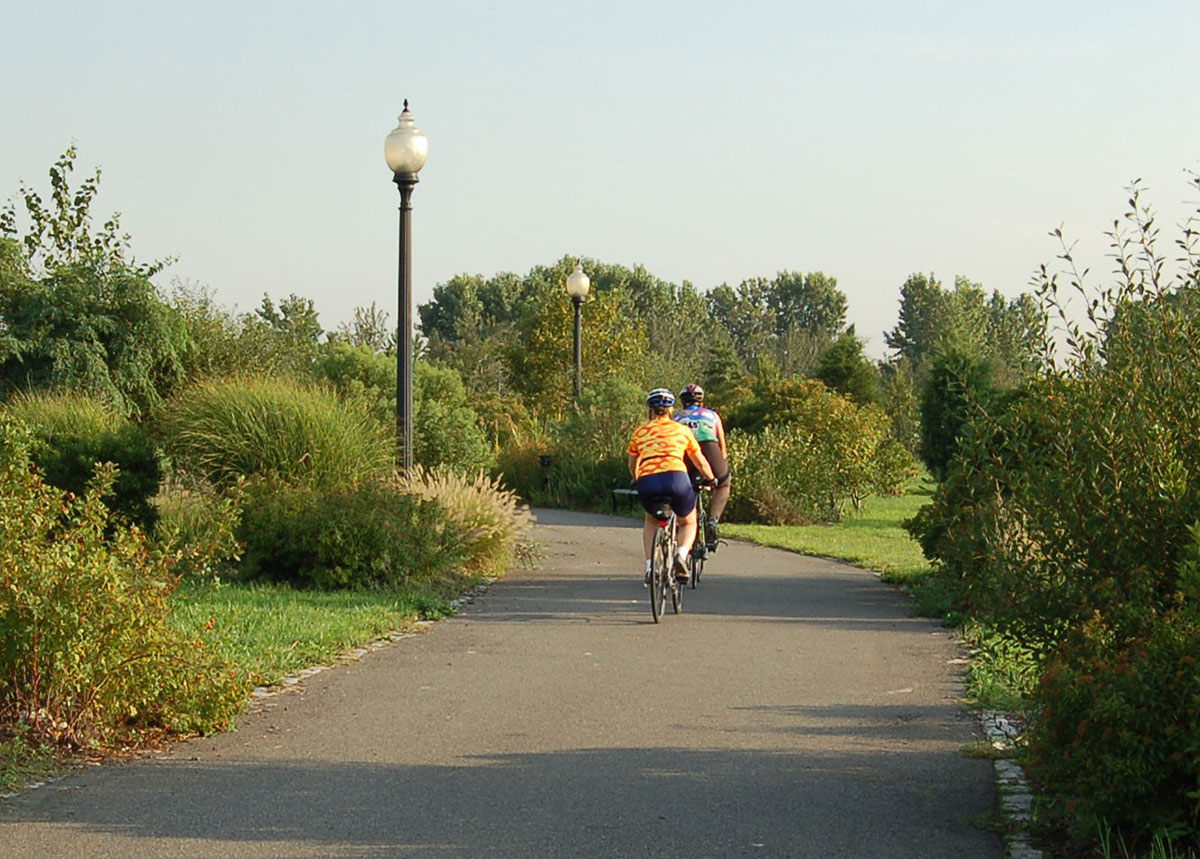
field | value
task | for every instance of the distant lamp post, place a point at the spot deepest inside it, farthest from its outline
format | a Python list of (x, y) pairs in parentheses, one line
[(577, 288), (405, 150)]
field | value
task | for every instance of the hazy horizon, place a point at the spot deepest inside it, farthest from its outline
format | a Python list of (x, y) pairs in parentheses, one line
[(709, 145)]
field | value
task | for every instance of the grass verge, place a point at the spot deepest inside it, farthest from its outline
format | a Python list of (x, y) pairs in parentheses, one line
[(275, 630), (871, 538), (23, 763)]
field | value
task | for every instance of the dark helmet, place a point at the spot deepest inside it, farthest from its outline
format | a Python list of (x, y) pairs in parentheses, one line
[(692, 395), (660, 397)]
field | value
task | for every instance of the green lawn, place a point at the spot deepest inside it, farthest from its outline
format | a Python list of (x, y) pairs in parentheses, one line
[(870, 538), (22, 763), (274, 630)]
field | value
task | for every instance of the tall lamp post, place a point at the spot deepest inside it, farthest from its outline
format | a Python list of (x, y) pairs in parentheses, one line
[(405, 149), (577, 288)]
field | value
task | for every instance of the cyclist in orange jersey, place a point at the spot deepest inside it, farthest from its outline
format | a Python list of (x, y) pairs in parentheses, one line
[(657, 455)]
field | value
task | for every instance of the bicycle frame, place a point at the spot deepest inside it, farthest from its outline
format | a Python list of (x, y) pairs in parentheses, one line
[(662, 576)]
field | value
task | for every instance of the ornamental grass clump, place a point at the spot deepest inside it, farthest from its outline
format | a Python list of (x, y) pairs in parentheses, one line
[(88, 653), (72, 432), (490, 519), (279, 428)]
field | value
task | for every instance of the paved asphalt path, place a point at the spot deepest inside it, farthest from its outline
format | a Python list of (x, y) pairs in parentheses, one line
[(793, 709)]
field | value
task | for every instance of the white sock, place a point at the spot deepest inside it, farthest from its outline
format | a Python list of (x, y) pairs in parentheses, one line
[(649, 565), (682, 552)]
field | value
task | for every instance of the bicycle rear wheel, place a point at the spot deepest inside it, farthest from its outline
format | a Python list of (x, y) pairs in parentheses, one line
[(696, 559), (660, 571)]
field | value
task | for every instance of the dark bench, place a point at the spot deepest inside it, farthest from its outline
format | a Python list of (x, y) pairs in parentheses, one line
[(623, 496)]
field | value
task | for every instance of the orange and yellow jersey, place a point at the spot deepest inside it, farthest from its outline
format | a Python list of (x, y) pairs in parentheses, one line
[(661, 445)]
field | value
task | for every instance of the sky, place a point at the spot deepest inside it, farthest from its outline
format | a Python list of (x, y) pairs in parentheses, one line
[(707, 141)]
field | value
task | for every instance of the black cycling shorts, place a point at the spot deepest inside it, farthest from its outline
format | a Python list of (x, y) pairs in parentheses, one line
[(674, 485)]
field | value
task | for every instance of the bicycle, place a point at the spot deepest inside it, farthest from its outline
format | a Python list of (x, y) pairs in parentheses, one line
[(662, 557), (699, 553)]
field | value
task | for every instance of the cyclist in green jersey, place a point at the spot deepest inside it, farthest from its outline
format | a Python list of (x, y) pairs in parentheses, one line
[(710, 433)]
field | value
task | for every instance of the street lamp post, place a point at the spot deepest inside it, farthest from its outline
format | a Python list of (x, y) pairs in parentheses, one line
[(577, 288), (405, 149)]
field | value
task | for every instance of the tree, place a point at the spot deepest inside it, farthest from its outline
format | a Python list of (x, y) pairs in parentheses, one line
[(745, 315), (455, 303), (1008, 334), (369, 328), (845, 369), (899, 399), (539, 352), (787, 321), (77, 312), (811, 303), (1016, 335)]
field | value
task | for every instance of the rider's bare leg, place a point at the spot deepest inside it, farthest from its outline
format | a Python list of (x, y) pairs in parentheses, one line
[(685, 533), (649, 528), (720, 497)]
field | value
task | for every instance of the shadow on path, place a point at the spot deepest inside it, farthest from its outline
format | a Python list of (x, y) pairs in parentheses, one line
[(590, 802)]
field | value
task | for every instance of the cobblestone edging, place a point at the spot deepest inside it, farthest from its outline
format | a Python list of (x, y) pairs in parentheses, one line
[(1016, 800)]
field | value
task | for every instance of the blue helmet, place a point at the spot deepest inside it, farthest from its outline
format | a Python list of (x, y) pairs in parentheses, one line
[(660, 397)]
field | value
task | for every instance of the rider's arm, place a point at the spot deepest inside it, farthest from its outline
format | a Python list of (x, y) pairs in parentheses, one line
[(721, 437), (701, 464), (633, 464)]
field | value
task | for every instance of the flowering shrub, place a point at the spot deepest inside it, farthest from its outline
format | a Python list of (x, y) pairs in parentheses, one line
[(87, 648), (1117, 739)]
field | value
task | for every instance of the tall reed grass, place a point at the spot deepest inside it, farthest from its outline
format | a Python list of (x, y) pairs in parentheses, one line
[(273, 427)]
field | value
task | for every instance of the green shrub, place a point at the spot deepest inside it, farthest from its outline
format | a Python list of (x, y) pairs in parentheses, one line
[(372, 535), (74, 432), (492, 522), (76, 311), (519, 467), (197, 526), (446, 428), (817, 455), (576, 460), (1067, 521), (589, 454), (87, 650), (958, 383), (223, 431), (358, 372)]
